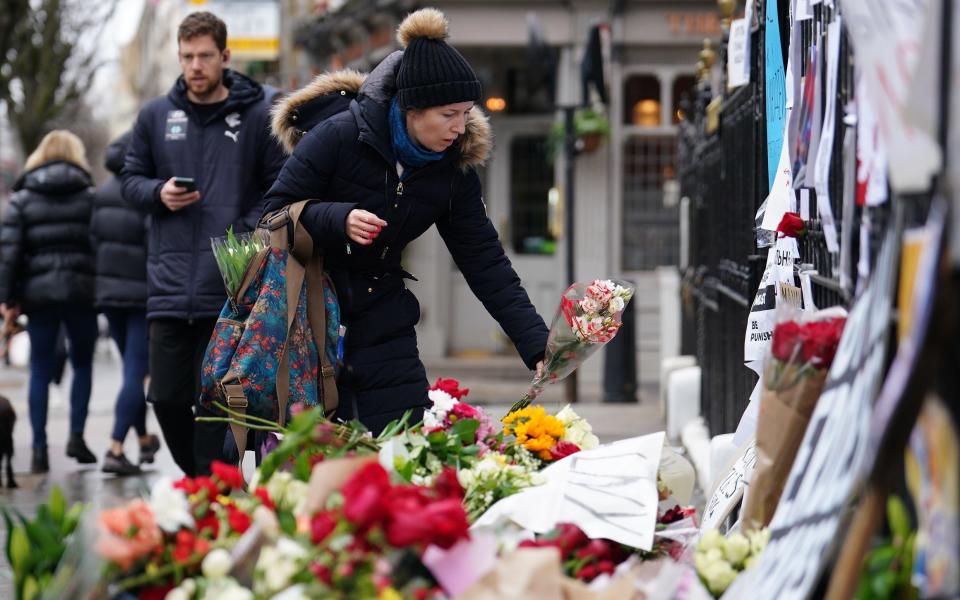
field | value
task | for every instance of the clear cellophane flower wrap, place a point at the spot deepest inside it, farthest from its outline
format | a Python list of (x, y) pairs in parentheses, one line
[(795, 371), (233, 253), (589, 316)]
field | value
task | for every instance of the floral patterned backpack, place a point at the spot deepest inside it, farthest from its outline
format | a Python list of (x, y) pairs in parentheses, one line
[(267, 352)]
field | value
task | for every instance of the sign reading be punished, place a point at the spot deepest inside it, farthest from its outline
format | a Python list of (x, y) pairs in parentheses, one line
[(830, 465)]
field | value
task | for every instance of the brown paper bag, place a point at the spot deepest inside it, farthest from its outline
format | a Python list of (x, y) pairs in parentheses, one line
[(781, 425)]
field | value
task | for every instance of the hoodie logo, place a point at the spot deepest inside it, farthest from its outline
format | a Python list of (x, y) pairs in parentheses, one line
[(176, 126), (233, 135), (233, 120)]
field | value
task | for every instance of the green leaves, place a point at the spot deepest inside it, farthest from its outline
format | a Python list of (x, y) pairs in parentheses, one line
[(34, 547), (887, 568)]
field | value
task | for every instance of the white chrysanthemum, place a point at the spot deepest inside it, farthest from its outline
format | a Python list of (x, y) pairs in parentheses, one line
[(170, 506), (442, 402), (277, 486)]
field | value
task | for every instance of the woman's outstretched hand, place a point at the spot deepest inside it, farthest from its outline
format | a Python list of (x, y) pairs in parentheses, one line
[(363, 226)]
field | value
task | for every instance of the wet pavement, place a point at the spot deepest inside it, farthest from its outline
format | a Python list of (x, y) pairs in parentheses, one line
[(87, 484)]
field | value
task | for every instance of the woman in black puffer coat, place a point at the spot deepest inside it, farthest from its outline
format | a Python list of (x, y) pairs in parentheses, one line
[(119, 232), (47, 272), (400, 160)]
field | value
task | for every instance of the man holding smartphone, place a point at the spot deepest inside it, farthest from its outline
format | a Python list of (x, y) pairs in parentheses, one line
[(200, 160)]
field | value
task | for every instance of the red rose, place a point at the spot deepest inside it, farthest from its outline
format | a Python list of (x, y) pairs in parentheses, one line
[(188, 485), (239, 521), (447, 485), (321, 525), (264, 496), (820, 341), (156, 592), (229, 475), (201, 546), (606, 566), (211, 522), (791, 225), (563, 449), (450, 386), (462, 410), (206, 483), (442, 523), (786, 341), (587, 572), (570, 537), (363, 495), (598, 549), (322, 573)]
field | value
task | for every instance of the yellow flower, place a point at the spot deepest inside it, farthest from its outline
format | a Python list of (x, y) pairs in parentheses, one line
[(389, 593), (534, 429)]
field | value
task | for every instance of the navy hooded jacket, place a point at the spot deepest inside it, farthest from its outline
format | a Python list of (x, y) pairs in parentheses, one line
[(232, 158), (347, 162)]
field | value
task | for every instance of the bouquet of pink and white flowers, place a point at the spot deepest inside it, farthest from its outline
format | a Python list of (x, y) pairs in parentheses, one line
[(588, 317)]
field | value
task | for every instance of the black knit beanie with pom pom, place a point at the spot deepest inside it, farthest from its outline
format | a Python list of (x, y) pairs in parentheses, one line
[(432, 72)]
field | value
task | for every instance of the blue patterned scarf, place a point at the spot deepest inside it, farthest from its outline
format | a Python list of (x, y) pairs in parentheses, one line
[(409, 153)]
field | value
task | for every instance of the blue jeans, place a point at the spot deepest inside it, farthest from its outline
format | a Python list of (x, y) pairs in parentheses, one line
[(43, 326), (128, 328)]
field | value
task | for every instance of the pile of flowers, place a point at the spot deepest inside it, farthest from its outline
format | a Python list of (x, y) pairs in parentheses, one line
[(333, 512), (720, 559)]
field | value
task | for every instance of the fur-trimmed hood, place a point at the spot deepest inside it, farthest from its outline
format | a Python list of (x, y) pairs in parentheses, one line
[(329, 93)]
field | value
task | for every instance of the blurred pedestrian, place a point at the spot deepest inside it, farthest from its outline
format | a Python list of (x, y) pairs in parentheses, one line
[(212, 131), (402, 159), (120, 237), (47, 272)]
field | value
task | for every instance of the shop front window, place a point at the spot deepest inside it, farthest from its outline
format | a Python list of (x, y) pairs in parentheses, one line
[(642, 100), (531, 198)]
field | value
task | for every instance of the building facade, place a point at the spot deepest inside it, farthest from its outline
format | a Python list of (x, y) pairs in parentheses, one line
[(625, 213)]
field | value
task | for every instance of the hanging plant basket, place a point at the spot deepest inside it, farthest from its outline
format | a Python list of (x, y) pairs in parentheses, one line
[(591, 127)]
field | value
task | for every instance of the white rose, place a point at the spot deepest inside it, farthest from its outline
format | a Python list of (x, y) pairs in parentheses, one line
[(278, 564), (617, 304), (466, 478), (737, 549), (217, 564), (718, 575), (170, 506), (177, 593)]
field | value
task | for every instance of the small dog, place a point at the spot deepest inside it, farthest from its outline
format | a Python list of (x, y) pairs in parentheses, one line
[(8, 418)]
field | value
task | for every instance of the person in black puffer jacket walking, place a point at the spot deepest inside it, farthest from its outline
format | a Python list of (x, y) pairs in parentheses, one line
[(47, 271), (120, 236)]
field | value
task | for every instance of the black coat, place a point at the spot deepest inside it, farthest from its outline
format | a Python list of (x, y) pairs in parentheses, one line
[(120, 237), (347, 162), (233, 160), (45, 253)]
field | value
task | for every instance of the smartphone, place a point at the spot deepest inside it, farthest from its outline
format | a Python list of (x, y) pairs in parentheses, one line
[(186, 182)]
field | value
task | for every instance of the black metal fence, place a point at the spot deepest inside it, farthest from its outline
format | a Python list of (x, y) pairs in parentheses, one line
[(723, 173)]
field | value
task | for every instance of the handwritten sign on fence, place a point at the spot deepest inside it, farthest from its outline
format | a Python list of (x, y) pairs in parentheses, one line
[(830, 466)]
